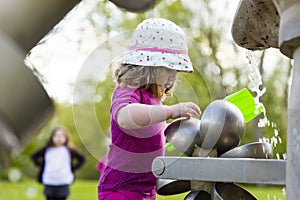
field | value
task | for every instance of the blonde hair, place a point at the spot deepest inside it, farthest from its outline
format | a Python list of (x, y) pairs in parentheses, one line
[(135, 76)]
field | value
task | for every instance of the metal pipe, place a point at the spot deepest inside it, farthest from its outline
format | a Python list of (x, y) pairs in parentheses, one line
[(293, 137), (236, 170)]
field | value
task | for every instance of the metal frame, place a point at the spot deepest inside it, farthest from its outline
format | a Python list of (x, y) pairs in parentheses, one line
[(238, 170)]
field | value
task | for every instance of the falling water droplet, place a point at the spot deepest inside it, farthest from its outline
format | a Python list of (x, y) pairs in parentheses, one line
[(275, 132), (278, 156), (284, 156), (283, 191)]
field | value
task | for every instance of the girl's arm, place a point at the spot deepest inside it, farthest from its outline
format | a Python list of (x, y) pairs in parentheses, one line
[(77, 159), (38, 157), (137, 115)]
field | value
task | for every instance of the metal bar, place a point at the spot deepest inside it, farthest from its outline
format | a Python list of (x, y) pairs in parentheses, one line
[(238, 170), (293, 133)]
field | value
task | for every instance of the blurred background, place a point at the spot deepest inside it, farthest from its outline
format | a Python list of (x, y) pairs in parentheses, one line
[(73, 63)]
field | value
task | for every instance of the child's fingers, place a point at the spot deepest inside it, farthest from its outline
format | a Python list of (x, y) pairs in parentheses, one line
[(187, 115), (194, 109), (186, 109)]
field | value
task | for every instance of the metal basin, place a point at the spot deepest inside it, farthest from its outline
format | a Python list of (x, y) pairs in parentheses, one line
[(259, 150), (230, 191), (222, 126), (198, 195), (171, 187), (184, 134)]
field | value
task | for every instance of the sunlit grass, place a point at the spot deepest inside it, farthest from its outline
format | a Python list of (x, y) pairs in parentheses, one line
[(86, 189)]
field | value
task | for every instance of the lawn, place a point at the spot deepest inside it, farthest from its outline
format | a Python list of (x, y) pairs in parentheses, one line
[(85, 189)]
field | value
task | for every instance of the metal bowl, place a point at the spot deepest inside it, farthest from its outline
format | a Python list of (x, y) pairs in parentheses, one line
[(184, 134), (259, 150), (230, 191), (171, 187), (198, 195), (222, 126)]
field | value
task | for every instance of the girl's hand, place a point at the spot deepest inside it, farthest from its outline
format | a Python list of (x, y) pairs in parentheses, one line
[(186, 109)]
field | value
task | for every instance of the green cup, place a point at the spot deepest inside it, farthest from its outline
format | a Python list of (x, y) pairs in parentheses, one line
[(244, 100), (169, 147)]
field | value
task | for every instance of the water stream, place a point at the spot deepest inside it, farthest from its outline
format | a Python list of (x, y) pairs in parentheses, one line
[(256, 86)]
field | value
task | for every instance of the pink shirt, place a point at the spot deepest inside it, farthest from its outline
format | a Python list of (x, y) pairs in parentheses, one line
[(101, 164), (132, 152)]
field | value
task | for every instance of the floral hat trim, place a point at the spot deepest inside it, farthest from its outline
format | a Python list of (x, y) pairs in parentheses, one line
[(155, 49)]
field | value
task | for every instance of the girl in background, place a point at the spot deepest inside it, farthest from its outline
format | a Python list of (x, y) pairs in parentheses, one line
[(146, 75), (57, 162)]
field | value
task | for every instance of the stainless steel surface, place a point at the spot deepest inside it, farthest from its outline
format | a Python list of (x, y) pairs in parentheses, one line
[(230, 191), (171, 186), (252, 150), (135, 6), (202, 185), (158, 167), (8, 140), (222, 126), (293, 132), (197, 195), (25, 26), (239, 170), (184, 134), (25, 106)]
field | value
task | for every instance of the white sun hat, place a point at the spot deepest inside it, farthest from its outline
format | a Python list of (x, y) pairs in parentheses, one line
[(159, 42)]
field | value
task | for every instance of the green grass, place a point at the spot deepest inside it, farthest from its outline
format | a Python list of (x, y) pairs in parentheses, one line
[(85, 189), (30, 189)]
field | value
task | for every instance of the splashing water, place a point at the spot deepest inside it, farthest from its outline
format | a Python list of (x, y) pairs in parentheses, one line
[(284, 191), (254, 75), (255, 85), (274, 140)]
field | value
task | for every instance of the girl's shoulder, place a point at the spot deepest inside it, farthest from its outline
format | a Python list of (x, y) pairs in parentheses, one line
[(74, 150), (120, 89), (131, 91), (41, 150), (126, 93), (134, 95)]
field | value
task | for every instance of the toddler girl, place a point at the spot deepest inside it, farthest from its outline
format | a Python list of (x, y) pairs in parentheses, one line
[(145, 76)]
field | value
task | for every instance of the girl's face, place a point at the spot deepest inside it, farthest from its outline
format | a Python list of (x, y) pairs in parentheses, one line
[(59, 138), (166, 78)]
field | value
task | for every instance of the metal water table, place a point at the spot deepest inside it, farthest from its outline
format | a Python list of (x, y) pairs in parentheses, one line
[(212, 160)]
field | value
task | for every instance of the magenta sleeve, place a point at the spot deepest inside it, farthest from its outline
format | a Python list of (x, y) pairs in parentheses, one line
[(122, 97)]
